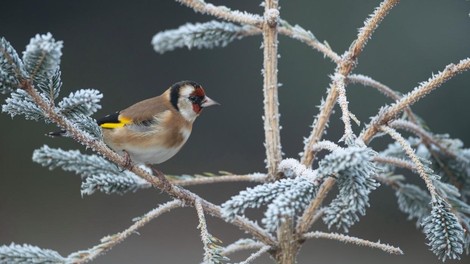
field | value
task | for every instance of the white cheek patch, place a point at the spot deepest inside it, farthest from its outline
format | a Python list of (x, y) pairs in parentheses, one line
[(185, 106)]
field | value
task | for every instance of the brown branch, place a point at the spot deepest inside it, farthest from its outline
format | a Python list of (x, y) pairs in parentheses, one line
[(391, 112), (354, 240), (224, 12), (270, 88), (161, 183), (256, 177)]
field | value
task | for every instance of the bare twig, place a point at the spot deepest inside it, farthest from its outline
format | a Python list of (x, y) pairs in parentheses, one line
[(223, 12), (354, 240), (396, 162), (110, 241), (297, 32), (412, 97), (255, 255), (255, 177), (242, 244), (325, 145), (419, 131), (420, 169), (368, 81), (340, 84)]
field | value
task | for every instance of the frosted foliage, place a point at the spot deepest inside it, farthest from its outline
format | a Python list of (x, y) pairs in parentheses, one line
[(50, 86), (72, 160), (199, 35), (260, 195), (292, 168), (10, 67), (42, 56), (413, 201), (354, 169), (444, 232), (20, 254), (85, 102), (20, 103), (113, 184), (287, 204)]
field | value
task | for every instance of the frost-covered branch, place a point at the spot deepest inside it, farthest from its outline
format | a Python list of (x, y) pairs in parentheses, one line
[(354, 240), (20, 254), (201, 35), (223, 12), (241, 244), (110, 241), (390, 112), (255, 255), (212, 251), (254, 177)]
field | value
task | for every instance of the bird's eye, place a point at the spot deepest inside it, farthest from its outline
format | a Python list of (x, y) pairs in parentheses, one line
[(192, 99)]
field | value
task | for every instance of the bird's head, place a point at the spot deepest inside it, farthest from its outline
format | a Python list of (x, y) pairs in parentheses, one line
[(189, 99)]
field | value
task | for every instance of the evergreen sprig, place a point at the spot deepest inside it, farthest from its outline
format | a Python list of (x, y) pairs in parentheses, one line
[(21, 254), (113, 184), (354, 169), (83, 102), (443, 231), (413, 201), (20, 103), (199, 35), (11, 67), (42, 56)]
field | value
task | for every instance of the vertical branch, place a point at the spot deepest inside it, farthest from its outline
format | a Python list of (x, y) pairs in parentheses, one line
[(271, 110)]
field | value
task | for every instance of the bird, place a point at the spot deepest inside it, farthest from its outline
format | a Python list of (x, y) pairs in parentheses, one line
[(153, 130)]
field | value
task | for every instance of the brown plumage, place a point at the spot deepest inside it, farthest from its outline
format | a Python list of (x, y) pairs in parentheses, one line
[(154, 130)]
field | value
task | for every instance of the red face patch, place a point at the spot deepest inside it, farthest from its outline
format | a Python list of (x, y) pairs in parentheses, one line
[(198, 91)]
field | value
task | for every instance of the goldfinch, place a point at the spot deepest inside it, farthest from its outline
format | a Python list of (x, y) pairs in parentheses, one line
[(154, 130)]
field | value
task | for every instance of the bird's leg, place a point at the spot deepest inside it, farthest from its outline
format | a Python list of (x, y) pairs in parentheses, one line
[(127, 161), (166, 184)]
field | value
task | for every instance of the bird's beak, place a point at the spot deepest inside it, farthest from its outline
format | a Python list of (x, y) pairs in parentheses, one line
[(208, 102)]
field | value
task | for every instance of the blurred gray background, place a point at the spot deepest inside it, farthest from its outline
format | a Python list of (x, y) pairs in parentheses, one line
[(107, 47)]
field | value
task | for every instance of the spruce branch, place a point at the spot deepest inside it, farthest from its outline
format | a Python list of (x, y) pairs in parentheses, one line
[(223, 12), (113, 184), (420, 168), (201, 35), (354, 240), (109, 242), (11, 68), (82, 102), (212, 251), (391, 112), (42, 56), (413, 201), (20, 254)]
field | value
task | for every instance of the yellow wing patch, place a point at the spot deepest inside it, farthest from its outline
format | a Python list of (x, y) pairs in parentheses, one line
[(122, 122)]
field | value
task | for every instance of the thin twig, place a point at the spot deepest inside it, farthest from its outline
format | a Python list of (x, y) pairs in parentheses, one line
[(419, 131), (256, 177), (397, 162), (354, 240), (223, 12), (255, 255), (110, 241), (420, 169), (412, 97), (161, 183), (340, 84), (298, 33), (325, 145), (241, 244)]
